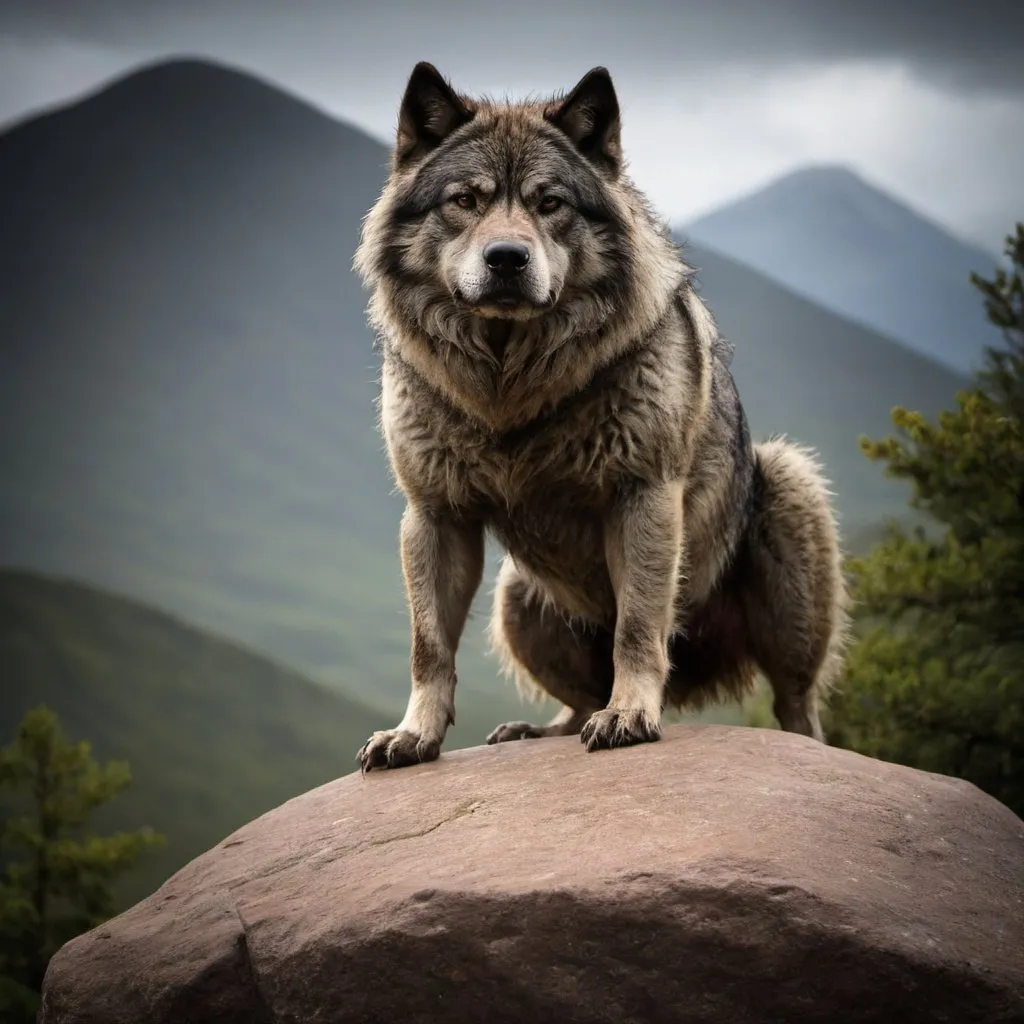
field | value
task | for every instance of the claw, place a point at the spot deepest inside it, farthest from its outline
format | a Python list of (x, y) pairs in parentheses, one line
[(612, 728), (515, 731), (396, 748)]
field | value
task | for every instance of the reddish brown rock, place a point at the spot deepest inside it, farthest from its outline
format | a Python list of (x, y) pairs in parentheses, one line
[(723, 874)]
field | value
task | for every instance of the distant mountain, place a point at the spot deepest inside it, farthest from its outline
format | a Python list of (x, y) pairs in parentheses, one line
[(822, 380), (187, 381), (185, 708), (828, 235)]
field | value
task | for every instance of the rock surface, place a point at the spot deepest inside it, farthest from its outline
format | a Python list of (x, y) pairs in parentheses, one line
[(723, 874)]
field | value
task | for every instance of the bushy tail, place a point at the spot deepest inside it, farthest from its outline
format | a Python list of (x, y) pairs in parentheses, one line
[(802, 564)]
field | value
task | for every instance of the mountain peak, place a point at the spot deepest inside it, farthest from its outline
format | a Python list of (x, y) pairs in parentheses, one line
[(826, 183), (839, 175), (201, 102), (193, 76), (839, 240)]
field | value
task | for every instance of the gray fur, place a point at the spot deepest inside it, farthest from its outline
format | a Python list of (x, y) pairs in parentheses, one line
[(584, 413)]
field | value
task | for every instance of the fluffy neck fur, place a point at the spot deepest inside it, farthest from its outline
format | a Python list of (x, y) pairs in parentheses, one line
[(506, 373)]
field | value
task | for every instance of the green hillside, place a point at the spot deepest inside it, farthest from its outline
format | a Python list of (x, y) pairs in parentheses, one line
[(187, 381), (215, 734)]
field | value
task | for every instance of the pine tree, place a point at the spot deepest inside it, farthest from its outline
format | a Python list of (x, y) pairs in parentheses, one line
[(57, 877), (936, 679)]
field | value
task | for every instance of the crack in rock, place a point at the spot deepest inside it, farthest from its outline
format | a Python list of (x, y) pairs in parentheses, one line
[(261, 1001), (461, 811)]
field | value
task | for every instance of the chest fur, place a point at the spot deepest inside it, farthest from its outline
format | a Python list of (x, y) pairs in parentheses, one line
[(577, 455), (544, 491)]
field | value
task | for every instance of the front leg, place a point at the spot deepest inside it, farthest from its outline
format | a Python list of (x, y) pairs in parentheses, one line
[(643, 547), (442, 562)]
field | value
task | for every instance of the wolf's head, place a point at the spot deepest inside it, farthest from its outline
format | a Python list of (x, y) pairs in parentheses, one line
[(510, 212)]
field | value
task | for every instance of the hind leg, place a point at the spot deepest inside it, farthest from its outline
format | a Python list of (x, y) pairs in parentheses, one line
[(795, 596), (567, 722), (547, 657)]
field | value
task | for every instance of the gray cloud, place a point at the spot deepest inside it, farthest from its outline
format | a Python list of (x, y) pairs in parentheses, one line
[(925, 99), (956, 45)]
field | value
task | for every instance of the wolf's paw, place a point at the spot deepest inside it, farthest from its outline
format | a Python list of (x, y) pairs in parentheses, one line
[(515, 731), (396, 748), (613, 727)]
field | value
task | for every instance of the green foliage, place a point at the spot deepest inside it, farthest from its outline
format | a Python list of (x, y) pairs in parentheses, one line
[(936, 679), (57, 876)]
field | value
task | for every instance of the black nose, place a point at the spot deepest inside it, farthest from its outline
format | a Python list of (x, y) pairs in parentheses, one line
[(506, 259)]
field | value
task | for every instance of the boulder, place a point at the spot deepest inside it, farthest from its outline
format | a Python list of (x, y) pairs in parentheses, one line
[(722, 874)]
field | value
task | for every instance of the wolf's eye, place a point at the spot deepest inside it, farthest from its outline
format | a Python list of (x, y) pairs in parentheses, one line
[(465, 200), (549, 204)]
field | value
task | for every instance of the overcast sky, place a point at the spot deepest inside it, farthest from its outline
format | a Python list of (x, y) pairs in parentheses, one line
[(925, 99)]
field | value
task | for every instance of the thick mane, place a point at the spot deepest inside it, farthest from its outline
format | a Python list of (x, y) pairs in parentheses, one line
[(505, 373)]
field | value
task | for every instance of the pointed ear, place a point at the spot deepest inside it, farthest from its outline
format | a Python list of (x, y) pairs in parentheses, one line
[(590, 117), (430, 111)]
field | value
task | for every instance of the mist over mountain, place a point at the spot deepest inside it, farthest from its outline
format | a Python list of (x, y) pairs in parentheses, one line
[(829, 236), (187, 381)]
